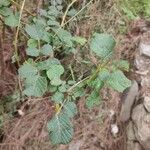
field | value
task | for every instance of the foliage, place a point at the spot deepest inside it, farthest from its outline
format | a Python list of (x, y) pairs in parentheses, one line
[(44, 72), (135, 8)]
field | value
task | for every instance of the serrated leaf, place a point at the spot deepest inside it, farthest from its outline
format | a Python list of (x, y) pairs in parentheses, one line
[(54, 74), (35, 31), (12, 20), (102, 45), (70, 109), (5, 11), (47, 49), (64, 36), (103, 74), (27, 70), (53, 23), (93, 100), (118, 81), (99, 82), (32, 51), (37, 88), (32, 43), (53, 11), (58, 97), (46, 64), (79, 40), (56, 81), (60, 129), (121, 64), (4, 3)]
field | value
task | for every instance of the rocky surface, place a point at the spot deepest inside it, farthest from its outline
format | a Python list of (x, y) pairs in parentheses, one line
[(128, 101), (138, 129)]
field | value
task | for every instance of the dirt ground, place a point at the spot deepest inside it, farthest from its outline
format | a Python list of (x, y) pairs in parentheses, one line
[(92, 127)]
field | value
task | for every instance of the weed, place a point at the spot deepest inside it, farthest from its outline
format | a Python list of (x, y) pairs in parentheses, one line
[(43, 72)]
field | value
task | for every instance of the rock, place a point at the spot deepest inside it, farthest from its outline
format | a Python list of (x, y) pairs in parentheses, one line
[(75, 145), (142, 63), (144, 49), (147, 103), (141, 120), (130, 132), (134, 146), (128, 101)]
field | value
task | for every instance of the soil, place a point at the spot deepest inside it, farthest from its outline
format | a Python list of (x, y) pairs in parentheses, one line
[(27, 129)]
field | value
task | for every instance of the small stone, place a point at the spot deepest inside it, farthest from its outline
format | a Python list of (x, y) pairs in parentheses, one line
[(144, 49), (75, 145), (114, 129), (147, 103), (128, 101)]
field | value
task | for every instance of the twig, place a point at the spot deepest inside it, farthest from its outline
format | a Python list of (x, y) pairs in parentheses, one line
[(1, 56), (17, 33), (21, 6), (77, 13), (65, 14)]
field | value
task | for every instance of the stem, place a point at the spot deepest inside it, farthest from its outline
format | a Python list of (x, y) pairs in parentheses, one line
[(17, 33), (20, 7), (65, 14), (77, 13)]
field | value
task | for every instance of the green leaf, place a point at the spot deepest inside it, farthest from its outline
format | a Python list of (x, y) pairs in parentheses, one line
[(64, 36), (121, 64), (31, 51), (99, 82), (53, 11), (47, 50), (12, 20), (27, 70), (103, 74), (58, 97), (102, 45), (60, 129), (46, 64), (93, 100), (53, 23), (32, 43), (35, 31), (79, 40), (70, 109), (54, 74), (4, 3), (5, 11), (37, 87), (118, 81)]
